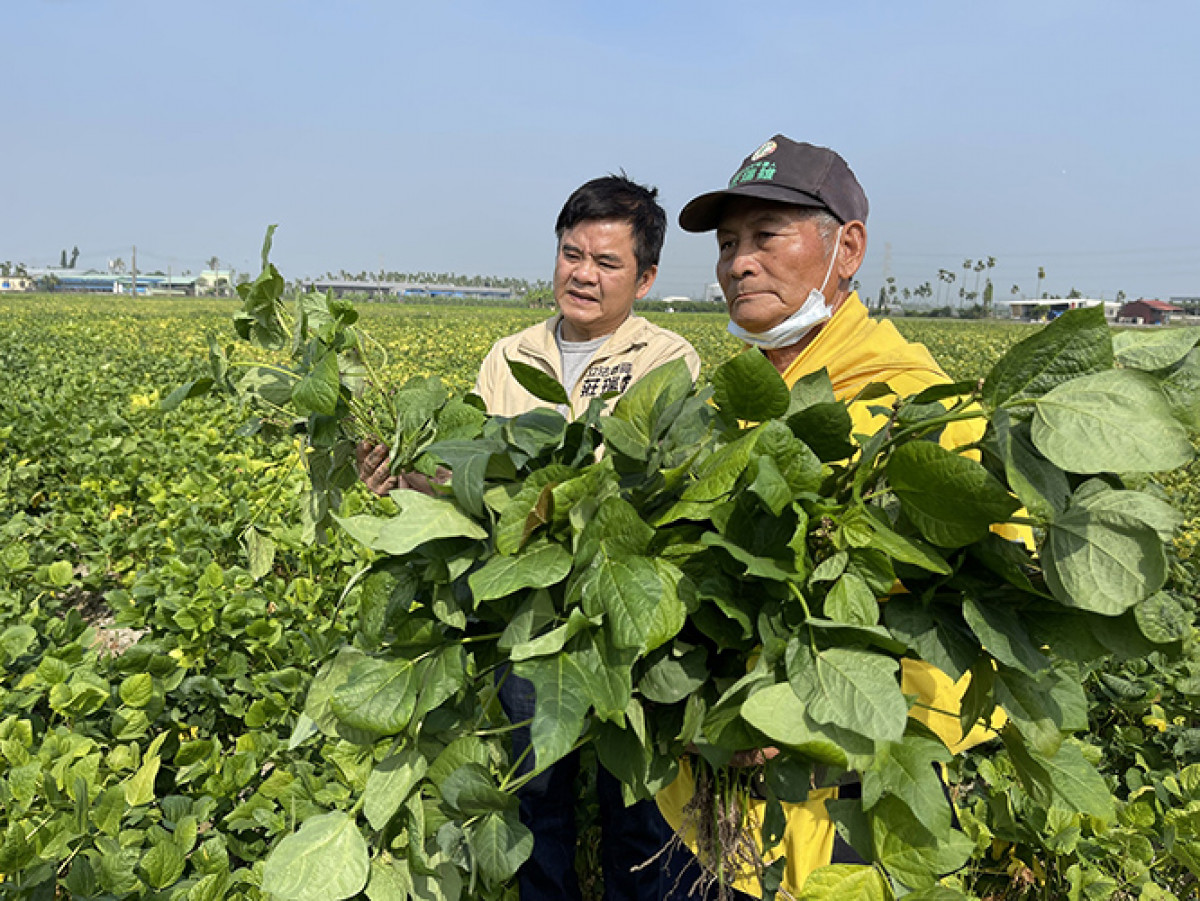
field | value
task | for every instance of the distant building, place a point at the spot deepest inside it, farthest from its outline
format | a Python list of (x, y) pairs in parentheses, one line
[(713, 293), (16, 283), (1148, 312), (95, 281), (1046, 308), (213, 282), (414, 290)]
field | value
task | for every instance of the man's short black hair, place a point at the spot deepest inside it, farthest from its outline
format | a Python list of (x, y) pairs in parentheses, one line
[(619, 197)]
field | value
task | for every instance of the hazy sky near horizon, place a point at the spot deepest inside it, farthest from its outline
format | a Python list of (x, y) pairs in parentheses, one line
[(445, 136)]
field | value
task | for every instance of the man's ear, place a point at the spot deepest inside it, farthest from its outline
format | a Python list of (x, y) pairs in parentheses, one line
[(645, 282), (853, 247)]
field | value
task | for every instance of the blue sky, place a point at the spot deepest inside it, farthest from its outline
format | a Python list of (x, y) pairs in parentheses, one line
[(445, 136)]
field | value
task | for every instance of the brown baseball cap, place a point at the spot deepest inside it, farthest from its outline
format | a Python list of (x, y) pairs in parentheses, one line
[(785, 171)]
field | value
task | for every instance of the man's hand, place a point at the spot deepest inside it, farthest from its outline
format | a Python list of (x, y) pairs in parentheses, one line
[(373, 467), (372, 460), (756, 757)]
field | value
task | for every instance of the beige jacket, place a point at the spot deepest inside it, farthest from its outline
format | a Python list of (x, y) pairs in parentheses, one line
[(635, 348)]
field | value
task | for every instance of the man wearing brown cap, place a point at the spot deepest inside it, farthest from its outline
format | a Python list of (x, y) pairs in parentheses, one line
[(791, 234)]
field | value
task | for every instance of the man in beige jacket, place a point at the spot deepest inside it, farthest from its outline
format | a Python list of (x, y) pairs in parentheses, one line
[(610, 234)]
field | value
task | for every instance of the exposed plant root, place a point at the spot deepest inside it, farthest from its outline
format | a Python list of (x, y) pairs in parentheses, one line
[(720, 817)]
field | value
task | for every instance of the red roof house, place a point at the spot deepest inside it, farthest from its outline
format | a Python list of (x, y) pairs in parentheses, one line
[(1148, 312)]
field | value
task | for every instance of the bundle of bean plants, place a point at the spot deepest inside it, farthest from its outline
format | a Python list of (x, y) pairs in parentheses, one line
[(693, 573)]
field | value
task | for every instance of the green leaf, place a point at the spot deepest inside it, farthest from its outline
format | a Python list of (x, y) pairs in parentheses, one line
[(907, 771), (1102, 561), (418, 520), (195, 388), (951, 499), (1152, 349), (643, 404), (325, 860), (1077, 783), (390, 879), (540, 565), (260, 550), (616, 528), (1074, 344), (795, 462), (851, 601), (562, 688), (1002, 634), (1181, 387), (464, 749), (610, 687), (674, 675), (525, 512), (500, 844), (903, 549), (754, 565), (1030, 705), (826, 429), (472, 791), (320, 693), (777, 713), (61, 573), (937, 634), (268, 238), (769, 485), (377, 697), (390, 784), (163, 864), (811, 390), (670, 613), (749, 388), (317, 390), (139, 789), (439, 675), (624, 438), (540, 384), (843, 881), (1096, 496), (1040, 485), (715, 479), (137, 690), (1162, 619), (16, 640), (269, 383), (912, 854), (555, 640), (625, 591), (1115, 421), (851, 688)]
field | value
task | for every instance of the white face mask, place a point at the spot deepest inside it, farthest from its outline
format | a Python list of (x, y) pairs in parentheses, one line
[(812, 313)]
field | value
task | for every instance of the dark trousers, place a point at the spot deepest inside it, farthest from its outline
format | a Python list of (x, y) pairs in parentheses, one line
[(630, 836)]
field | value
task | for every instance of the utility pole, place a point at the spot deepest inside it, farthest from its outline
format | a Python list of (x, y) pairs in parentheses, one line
[(887, 261), (134, 265)]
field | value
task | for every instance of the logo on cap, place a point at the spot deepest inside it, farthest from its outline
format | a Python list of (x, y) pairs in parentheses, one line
[(765, 150), (754, 172)]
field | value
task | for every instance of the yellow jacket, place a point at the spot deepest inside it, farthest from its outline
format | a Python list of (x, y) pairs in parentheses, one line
[(856, 351)]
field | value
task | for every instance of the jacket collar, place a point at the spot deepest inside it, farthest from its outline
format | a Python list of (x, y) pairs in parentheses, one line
[(539, 340)]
